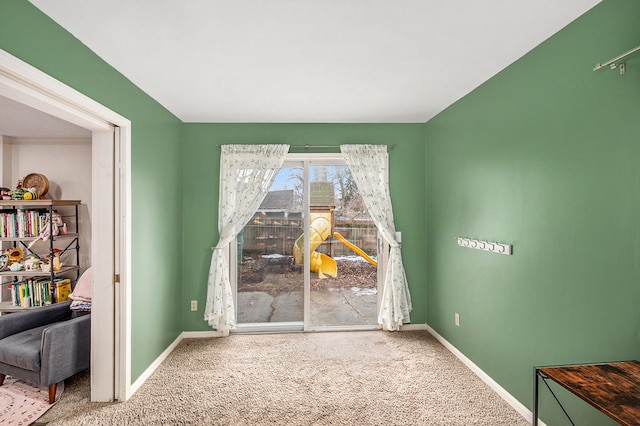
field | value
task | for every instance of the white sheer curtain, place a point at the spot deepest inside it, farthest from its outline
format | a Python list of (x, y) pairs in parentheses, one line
[(246, 174), (368, 164)]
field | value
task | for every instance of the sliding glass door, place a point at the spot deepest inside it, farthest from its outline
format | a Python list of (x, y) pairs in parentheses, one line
[(343, 285), (308, 259), (269, 286)]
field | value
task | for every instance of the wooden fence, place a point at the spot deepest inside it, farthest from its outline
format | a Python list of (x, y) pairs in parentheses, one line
[(279, 237)]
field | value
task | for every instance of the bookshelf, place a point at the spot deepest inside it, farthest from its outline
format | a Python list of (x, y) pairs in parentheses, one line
[(19, 230)]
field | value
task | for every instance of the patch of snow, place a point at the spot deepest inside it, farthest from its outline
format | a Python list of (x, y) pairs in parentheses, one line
[(273, 256), (364, 291), (352, 258)]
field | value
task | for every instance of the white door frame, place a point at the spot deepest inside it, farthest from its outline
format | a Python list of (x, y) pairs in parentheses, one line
[(111, 215)]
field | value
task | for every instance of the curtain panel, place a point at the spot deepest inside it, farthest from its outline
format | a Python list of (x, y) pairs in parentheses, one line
[(369, 166), (246, 174)]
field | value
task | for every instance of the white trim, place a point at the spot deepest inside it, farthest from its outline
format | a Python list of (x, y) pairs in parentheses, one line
[(155, 364), (102, 247), (16, 91), (338, 328), (28, 85), (123, 250), (306, 242), (47, 140), (502, 392), (268, 327), (202, 334), (414, 327)]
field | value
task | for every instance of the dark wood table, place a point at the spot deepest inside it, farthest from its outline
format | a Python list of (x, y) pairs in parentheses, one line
[(613, 388)]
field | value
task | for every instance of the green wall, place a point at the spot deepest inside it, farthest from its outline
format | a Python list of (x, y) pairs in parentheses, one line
[(30, 35), (543, 156), (201, 160)]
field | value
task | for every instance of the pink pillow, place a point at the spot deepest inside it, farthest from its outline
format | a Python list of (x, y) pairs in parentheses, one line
[(83, 286)]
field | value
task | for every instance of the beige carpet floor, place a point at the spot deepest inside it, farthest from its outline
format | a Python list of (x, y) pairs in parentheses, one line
[(347, 378)]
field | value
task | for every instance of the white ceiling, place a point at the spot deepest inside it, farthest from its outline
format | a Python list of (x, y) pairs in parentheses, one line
[(310, 61), (20, 121)]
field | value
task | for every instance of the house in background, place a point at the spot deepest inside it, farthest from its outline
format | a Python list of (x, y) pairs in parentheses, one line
[(543, 156), (280, 204)]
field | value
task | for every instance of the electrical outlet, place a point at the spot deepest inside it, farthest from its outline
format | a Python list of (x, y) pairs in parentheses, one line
[(457, 319), (194, 305)]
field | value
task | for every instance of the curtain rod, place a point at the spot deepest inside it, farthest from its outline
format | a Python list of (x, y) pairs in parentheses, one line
[(613, 63), (308, 146)]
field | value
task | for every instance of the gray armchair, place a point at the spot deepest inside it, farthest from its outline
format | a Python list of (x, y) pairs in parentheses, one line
[(44, 345)]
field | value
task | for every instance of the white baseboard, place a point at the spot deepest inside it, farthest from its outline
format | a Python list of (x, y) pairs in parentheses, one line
[(513, 402), (154, 365), (203, 334), (414, 327)]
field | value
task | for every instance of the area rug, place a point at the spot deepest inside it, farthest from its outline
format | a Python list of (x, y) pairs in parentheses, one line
[(22, 403)]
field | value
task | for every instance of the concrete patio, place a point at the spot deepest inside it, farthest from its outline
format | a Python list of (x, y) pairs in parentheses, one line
[(351, 306)]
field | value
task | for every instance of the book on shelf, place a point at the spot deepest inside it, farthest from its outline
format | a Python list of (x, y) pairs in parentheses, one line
[(62, 289), (21, 223), (36, 292)]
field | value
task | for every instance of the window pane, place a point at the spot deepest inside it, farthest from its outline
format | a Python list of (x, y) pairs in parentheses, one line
[(344, 286), (270, 286)]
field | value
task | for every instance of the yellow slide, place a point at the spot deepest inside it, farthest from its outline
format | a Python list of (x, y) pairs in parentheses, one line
[(320, 230), (355, 248)]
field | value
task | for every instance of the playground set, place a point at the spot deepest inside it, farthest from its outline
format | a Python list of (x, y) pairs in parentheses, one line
[(321, 229), (275, 231)]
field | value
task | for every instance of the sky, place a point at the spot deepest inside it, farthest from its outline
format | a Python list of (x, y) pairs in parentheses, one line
[(282, 180)]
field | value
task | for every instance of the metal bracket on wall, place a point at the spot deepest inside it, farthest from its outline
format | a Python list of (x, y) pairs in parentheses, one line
[(493, 247), (616, 62)]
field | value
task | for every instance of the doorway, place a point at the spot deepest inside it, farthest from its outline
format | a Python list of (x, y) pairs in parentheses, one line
[(110, 215), (307, 260)]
